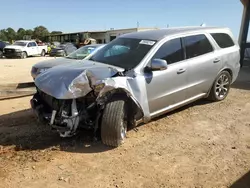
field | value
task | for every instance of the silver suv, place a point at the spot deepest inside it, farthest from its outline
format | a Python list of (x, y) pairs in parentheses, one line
[(137, 76)]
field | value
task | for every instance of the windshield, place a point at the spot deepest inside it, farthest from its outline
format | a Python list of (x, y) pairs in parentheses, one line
[(82, 52), (20, 43), (62, 46), (123, 52)]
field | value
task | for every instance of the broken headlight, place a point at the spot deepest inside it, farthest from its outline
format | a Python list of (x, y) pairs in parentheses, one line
[(42, 70)]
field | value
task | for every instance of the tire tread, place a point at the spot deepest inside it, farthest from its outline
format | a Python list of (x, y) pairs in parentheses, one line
[(110, 127)]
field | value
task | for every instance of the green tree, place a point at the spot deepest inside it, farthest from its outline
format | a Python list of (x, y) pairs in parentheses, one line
[(29, 32), (40, 33), (3, 36), (20, 33), (10, 34)]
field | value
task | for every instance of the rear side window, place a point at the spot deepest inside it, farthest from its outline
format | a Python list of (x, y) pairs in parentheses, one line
[(197, 45), (223, 40), (171, 51)]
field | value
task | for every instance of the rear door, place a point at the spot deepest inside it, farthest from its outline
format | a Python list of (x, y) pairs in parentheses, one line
[(167, 87), (204, 63)]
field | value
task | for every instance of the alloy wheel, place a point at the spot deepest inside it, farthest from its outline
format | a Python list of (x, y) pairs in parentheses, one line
[(222, 86)]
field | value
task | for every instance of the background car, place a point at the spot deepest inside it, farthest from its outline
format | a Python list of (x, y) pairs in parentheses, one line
[(63, 50), (24, 48), (84, 52), (2, 45)]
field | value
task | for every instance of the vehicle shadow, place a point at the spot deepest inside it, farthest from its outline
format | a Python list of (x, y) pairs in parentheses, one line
[(196, 103), (21, 131), (243, 182)]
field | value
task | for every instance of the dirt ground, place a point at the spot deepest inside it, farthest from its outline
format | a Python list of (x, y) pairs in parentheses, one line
[(18, 70), (201, 145)]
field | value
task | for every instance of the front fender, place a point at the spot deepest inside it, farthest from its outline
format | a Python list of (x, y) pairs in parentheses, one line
[(134, 88)]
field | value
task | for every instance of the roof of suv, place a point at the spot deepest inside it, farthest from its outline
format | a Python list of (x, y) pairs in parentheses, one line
[(161, 33)]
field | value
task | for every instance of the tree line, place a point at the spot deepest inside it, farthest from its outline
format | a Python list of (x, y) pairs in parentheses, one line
[(39, 33)]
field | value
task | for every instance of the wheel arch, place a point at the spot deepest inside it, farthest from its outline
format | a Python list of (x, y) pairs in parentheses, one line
[(24, 51), (121, 94), (228, 70), (224, 69)]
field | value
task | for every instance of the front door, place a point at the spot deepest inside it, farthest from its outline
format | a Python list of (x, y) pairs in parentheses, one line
[(167, 87), (35, 49), (30, 49)]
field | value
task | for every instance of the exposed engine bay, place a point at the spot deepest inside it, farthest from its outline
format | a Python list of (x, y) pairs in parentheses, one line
[(66, 115)]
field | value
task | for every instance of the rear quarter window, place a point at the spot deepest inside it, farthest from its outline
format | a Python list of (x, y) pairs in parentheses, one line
[(223, 40)]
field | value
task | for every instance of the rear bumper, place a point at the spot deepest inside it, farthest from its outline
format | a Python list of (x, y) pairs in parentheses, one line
[(236, 72), (58, 53)]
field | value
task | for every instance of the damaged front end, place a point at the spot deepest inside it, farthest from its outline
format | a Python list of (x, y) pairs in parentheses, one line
[(66, 115), (68, 98)]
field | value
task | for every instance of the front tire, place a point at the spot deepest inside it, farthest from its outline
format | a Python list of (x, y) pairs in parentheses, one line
[(24, 55), (221, 87), (114, 123)]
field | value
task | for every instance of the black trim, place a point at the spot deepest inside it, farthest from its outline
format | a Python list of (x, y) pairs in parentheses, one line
[(183, 46), (243, 42)]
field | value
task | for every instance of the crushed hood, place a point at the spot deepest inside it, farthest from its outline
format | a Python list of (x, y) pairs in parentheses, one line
[(53, 62), (74, 80)]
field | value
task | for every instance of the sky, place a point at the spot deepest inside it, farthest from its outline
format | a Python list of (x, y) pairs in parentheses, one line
[(87, 15)]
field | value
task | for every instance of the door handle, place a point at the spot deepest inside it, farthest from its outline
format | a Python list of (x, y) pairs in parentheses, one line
[(181, 71), (216, 60)]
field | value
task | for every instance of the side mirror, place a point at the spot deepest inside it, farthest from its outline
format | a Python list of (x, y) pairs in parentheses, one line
[(158, 64)]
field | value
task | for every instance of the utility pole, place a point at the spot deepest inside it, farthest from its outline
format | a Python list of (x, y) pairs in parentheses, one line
[(138, 25)]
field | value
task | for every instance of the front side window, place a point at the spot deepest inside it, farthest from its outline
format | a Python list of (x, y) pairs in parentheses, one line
[(30, 44), (126, 53), (20, 43), (82, 52), (223, 40), (197, 45), (171, 51)]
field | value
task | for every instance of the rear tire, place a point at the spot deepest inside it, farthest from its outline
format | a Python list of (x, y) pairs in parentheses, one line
[(43, 53), (24, 55), (220, 87), (114, 123)]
